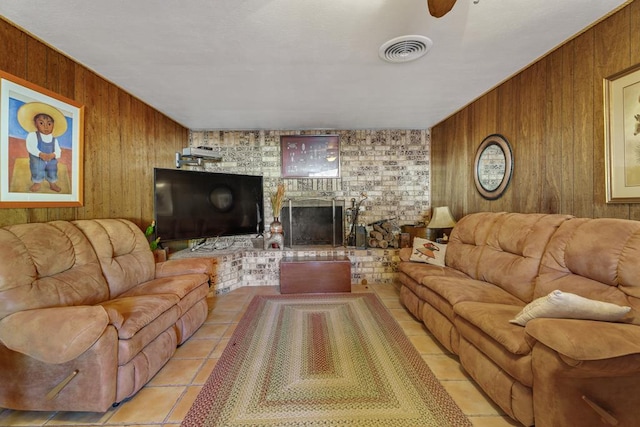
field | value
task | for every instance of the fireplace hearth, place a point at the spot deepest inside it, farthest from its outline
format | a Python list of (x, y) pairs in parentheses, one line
[(313, 222)]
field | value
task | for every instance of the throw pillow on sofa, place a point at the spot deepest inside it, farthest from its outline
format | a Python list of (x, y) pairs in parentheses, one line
[(564, 305), (425, 250)]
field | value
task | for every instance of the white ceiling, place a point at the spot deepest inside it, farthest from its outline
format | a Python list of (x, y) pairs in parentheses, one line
[(302, 64)]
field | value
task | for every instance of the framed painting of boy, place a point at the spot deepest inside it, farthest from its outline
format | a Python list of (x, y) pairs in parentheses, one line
[(622, 136), (41, 146)]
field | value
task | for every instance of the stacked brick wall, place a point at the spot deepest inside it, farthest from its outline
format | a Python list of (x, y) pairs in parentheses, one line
[(390, 166)]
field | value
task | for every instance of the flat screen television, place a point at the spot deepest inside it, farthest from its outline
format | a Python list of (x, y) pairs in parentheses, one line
[(195, 205)]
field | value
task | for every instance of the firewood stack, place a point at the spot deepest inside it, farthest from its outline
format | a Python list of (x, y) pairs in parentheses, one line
[(382, 235)]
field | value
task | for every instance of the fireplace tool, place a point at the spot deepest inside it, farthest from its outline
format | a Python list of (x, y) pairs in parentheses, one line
[(353, 213)]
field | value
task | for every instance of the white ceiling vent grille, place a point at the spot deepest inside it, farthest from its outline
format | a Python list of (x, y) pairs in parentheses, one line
[(405, 48)]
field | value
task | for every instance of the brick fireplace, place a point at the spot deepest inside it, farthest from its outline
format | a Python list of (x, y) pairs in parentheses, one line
[(390, 166)]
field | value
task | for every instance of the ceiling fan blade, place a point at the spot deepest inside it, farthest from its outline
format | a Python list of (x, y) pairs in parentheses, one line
[(439, 8)]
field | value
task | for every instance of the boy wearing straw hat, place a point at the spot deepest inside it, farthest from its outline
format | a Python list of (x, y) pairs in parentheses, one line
[(44, 123)]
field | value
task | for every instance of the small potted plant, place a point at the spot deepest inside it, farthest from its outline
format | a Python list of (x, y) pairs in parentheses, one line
[(159, 253)]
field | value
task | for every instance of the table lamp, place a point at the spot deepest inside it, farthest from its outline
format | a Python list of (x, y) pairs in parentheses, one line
[(441, 220)]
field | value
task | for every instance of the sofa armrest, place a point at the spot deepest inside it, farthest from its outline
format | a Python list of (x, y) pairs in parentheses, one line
[(54, 335), (405, 254), (175, 267), (584, 340)]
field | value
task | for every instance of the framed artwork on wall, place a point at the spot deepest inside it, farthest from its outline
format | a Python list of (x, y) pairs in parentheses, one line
[(310, 156), (622, 136), (41, 146)]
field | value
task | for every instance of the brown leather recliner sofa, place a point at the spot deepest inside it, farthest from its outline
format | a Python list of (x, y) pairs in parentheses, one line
[(555, 371), (87, 317)]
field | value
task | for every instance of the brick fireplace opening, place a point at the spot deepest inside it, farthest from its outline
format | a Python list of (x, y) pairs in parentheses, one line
[(313, 222)]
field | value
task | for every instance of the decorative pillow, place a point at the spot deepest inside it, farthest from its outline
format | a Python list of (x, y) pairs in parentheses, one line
[(427, 251), (563, 305)]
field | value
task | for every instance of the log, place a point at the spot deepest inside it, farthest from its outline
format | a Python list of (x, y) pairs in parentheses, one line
[(377, 235), (382, 235)]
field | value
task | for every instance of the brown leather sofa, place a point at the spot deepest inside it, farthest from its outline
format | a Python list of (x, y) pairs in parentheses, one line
[(552, 371), (86, 315)]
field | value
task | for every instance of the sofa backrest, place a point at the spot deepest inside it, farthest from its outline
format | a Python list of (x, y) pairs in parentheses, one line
[(467, 241), (595, 258), (48, 265), (502, 248), (123, 252)]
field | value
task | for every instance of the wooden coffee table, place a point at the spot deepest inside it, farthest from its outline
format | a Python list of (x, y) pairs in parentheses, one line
[(318, 274)]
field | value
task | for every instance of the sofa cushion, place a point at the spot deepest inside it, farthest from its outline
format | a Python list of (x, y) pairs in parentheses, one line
[(128, 349), (492, 320), (594, 258), (565, 305), (123, 252), (145, 363), (513, 251), (467, 241), (48, 265), (130, 314), (175, 267), (179, 286), (455, 290), (417, 271), (428, 251), (427, 295), (507, 346), (486, 326)]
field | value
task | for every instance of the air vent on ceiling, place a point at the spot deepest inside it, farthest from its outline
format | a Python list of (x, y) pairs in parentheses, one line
[(405, 48)]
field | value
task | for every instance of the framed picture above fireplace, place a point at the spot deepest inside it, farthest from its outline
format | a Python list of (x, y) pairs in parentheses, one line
[(310, 156)]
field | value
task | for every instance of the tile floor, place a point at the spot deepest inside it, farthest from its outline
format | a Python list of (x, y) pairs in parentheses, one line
[(169, 395)]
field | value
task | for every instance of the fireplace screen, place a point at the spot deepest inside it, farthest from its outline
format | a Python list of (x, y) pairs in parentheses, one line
[(313, 222)]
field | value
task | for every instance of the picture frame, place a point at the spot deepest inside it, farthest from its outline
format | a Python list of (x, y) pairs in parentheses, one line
[(41, 146), (310, 156), (622, 136), (493, 166)]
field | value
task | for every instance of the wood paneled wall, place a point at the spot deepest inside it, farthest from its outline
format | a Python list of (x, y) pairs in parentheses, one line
[(124, 139), (552, 113)]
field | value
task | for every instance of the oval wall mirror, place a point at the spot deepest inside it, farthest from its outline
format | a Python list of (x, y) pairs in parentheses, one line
[(493, 166)]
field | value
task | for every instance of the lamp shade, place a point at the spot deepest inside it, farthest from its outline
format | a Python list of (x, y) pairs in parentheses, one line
[(441, 218)]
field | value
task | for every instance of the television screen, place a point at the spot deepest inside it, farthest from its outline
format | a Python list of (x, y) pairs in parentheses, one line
[(194, 205)]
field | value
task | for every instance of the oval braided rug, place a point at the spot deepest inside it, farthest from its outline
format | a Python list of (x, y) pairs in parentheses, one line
[(321, 360)]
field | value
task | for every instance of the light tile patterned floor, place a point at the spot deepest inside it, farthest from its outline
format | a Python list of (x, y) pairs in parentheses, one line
[(169, 395)]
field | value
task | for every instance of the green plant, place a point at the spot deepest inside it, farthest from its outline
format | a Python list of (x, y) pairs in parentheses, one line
[(151, 229)]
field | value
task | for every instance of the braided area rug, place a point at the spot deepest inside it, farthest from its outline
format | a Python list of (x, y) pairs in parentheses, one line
[(321, 360)]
